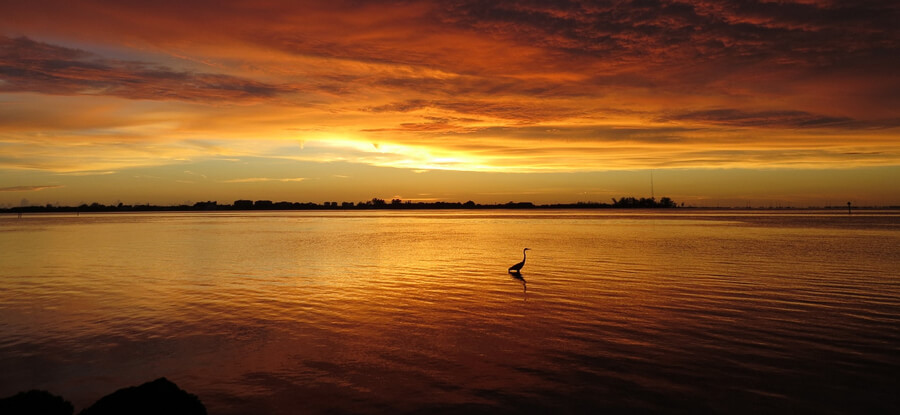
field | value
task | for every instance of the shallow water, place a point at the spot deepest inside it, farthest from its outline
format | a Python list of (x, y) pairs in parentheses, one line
[(413, 311)]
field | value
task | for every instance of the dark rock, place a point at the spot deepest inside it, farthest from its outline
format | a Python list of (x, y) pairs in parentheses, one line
[(35, 402), (158, 397)]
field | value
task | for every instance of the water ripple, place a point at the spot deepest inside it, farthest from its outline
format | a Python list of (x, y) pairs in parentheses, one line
[(369, 313)]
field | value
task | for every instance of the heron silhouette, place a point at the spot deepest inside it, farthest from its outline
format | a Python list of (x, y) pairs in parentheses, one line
[(518, 267)]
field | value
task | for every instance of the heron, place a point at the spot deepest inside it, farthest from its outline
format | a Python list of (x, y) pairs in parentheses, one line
[(518, 267)]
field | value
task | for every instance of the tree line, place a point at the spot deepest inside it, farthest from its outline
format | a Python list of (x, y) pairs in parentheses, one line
[(374, 203)]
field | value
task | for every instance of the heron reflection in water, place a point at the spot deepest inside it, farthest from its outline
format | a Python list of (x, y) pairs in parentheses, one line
[(518, 275)]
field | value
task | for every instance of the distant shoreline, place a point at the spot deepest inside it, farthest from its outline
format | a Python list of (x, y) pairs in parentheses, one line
[(664, 203)]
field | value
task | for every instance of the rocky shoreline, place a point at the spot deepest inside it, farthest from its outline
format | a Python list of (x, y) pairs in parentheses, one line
[(160, 396)]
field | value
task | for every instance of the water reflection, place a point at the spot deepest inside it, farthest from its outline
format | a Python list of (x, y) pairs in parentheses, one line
[(518, 276), (264, 313)]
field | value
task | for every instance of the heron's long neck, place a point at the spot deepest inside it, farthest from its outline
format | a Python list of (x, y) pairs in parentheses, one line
[(523, 256)]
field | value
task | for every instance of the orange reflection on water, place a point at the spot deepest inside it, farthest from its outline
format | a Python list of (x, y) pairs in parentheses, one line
[(410, 311)]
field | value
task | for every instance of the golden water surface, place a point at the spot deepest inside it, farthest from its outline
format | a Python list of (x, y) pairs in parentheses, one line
[(407, 312)]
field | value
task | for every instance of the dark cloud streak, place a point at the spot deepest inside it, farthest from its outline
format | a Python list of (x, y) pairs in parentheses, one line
[(772, 119), (30, 66)]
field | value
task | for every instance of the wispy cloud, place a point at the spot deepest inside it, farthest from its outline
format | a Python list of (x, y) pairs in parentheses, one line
[(88, 173), (188, 172), (28, 188), (264, 179)]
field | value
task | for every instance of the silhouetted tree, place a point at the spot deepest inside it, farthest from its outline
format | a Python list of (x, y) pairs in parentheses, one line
[(374, 203), (208, 205), (262, 204)]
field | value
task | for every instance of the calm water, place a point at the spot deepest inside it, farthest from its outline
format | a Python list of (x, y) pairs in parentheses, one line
[(407, 312)]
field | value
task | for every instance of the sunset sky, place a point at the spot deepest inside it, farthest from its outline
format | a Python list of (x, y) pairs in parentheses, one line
[(726, 102)]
